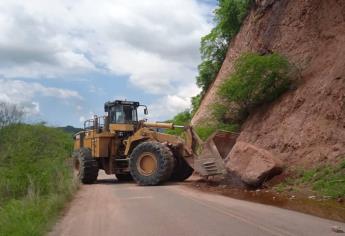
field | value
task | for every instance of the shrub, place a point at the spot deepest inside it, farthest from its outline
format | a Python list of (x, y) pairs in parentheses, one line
[(257, 79), (219, 111), (228, 113)]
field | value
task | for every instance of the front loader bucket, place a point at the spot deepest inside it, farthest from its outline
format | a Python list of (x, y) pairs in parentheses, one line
[(210, 160)]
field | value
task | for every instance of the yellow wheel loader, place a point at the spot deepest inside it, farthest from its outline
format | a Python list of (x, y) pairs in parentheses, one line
[(121, 144)]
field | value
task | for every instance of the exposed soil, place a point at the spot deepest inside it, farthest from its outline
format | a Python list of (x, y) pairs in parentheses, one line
[(306, 126), (300, 201)]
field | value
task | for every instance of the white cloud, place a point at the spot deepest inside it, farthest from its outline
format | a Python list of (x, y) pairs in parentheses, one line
[(30, 108), (22, 93), (153, 42), (170, 105)]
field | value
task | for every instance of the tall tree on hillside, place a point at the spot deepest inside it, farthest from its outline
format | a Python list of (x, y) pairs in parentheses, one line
[(228, 18)]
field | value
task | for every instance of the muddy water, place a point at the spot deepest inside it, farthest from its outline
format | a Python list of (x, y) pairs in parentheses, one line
[(325, 208)]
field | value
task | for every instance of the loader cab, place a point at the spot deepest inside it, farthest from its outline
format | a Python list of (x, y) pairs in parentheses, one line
[(122, 115)]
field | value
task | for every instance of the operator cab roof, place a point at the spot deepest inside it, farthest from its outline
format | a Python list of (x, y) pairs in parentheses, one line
[(107, 105)]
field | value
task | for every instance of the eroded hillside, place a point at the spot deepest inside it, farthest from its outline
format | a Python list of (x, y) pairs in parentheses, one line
[(307, 124)]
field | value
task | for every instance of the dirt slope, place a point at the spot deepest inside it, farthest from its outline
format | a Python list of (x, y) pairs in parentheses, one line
[(307, 125)]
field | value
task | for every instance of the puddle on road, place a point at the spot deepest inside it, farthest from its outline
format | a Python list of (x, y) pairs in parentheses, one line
[(325, 208)]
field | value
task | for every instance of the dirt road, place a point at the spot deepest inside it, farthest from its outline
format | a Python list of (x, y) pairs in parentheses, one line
[(110, 208)]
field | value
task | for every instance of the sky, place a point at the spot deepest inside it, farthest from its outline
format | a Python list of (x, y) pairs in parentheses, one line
[(61, 60)]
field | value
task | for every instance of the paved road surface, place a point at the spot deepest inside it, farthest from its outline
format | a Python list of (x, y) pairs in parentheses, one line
[(110, 208)]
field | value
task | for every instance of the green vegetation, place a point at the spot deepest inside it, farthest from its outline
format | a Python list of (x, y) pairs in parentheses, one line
[(219, 111), (256, 80), (182, 118), (228, 19), (205, 131), (35, 177), (325, 180), (195, 103)]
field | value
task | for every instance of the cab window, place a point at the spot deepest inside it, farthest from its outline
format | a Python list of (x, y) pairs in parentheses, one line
[(123, 114)]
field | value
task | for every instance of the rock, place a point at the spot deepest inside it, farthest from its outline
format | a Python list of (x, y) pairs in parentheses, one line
[(312, 197), (337, 229), (252, 164)]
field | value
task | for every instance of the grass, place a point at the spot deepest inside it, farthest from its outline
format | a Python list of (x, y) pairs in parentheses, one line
[(325, 180), (205, 131), (35, 178), (280, 187)]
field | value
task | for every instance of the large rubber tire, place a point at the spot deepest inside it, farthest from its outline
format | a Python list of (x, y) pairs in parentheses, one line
[(163, 167), (124, 177), (85, 166), (182, 170)]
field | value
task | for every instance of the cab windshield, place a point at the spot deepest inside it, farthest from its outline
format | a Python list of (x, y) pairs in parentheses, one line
[(123, 114)]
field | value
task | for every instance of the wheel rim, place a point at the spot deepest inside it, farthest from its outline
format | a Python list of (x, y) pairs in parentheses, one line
[(147, 164)]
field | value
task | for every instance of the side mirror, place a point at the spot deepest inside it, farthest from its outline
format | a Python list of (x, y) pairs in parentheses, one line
[(146, 112)]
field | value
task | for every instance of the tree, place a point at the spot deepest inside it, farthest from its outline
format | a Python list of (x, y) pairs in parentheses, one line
[(10, 114), (228, 19)]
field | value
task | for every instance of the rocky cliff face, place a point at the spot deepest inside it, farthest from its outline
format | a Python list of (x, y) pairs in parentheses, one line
[(307, 125)]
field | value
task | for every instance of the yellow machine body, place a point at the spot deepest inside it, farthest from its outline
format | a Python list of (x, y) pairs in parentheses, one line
[(111, 141)]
